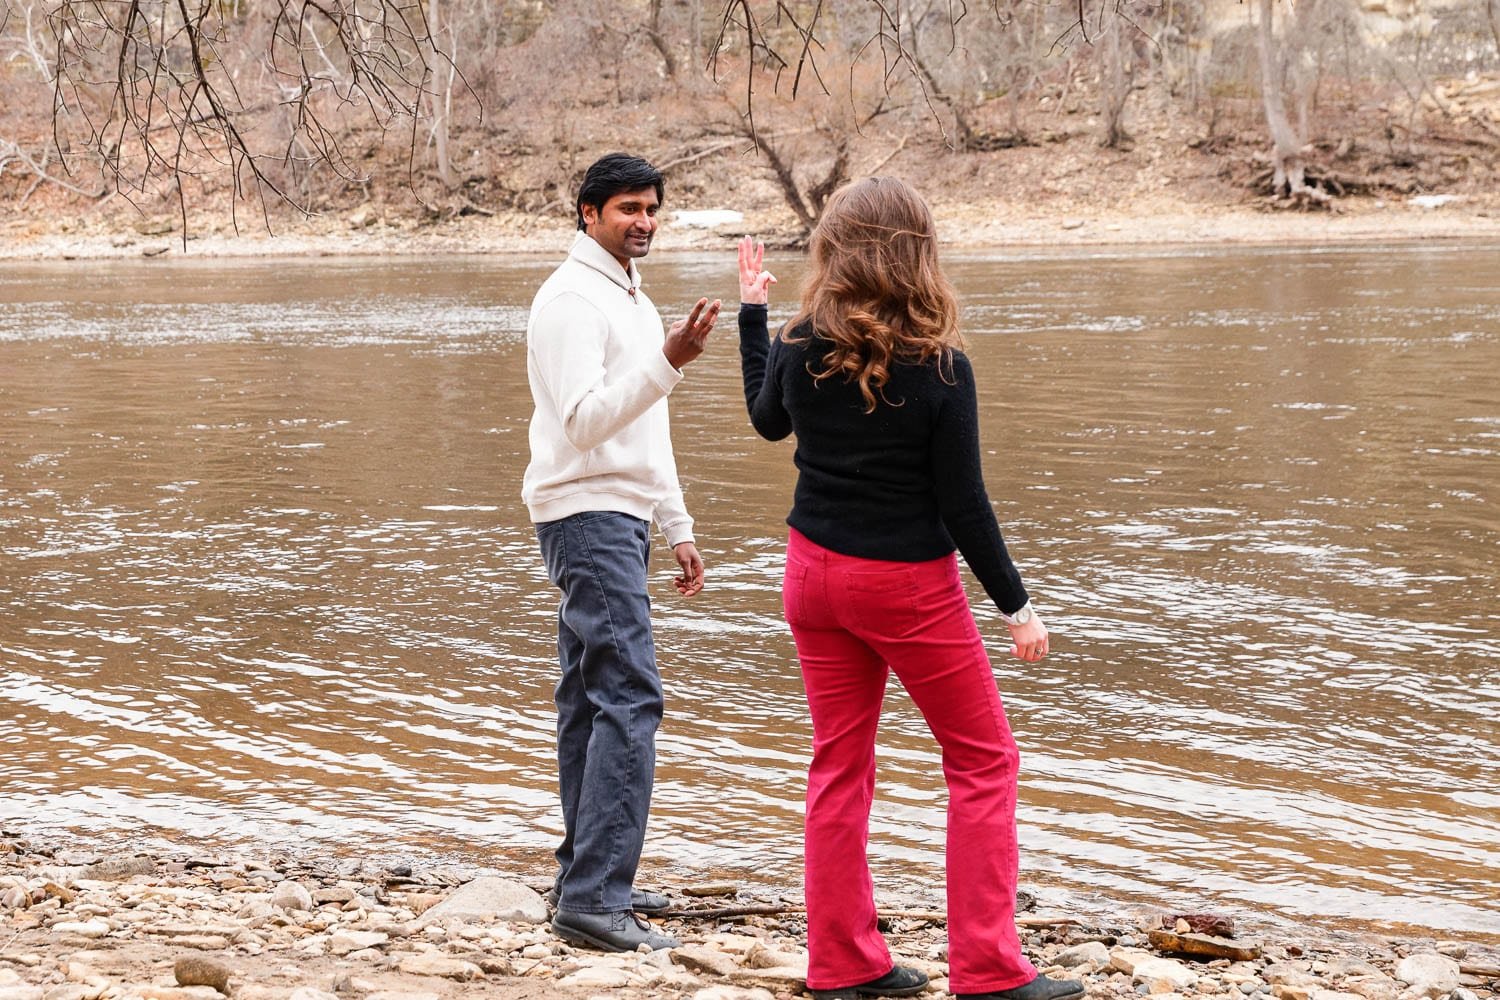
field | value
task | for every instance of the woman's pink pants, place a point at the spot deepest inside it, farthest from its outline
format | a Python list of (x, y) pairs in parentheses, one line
[(854, 620)]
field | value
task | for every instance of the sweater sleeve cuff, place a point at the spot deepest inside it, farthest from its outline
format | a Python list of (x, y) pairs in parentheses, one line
[(753, 316), (660, 371), (678, 532)]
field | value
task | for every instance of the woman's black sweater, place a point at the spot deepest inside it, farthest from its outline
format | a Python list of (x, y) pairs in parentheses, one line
[(902, 483)]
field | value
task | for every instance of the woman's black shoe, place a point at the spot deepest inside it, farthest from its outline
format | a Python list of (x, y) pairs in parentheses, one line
[(899, 982), (1040, 988)]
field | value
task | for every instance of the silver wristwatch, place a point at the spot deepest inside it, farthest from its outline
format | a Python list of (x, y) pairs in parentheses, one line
[(1023, 615)]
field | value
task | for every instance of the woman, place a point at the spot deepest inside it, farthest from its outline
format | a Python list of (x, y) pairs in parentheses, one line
[(870, 378)]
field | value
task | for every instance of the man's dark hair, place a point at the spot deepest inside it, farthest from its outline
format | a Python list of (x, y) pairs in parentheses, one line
[(613, 174)]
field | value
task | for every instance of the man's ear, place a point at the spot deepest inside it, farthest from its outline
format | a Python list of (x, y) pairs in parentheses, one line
[(590, 214)]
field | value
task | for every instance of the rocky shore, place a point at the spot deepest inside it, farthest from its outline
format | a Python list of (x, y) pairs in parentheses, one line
[(1063, 223), (76, 925)]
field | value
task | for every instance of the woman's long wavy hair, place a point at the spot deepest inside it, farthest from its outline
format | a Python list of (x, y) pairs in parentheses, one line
[(874, 287)]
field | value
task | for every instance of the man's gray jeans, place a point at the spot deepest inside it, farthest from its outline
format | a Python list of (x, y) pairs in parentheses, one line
[(609, 703)]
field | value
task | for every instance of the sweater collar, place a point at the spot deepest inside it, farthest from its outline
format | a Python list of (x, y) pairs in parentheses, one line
[(590, 254)]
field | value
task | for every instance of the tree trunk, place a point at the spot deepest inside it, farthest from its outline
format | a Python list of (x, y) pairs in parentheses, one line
[(669, 61), (965, 137), (1116, 84), (1286, 146), (442, 91)]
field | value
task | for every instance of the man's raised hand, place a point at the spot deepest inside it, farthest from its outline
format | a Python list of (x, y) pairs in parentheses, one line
[(687, 337)]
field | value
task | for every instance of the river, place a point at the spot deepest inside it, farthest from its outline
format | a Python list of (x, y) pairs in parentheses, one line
[(265, 577)]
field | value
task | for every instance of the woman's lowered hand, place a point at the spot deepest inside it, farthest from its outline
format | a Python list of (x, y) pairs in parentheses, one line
[(1030, 640)]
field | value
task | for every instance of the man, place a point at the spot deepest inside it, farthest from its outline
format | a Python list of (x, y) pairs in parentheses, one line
[(601, 470)]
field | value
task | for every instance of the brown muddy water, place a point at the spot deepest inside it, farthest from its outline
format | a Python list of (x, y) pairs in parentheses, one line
[(266, 580)]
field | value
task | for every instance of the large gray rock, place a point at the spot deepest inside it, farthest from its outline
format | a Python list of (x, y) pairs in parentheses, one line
[(1428, 975), (1164, 975), (1376, 986), (488, 900), (291, 896), (1289, 974), (710, 961), (1126, 959), (1090, 953)]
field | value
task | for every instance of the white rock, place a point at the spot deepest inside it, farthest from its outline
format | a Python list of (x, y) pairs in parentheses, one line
[(536, 952), (489, 900), (761, 957), (1342, 966), (733, 993), (1333, 995), (697, 958), (21, 993), (155, 992), (594, 960), (596, 978), (707, 218), (1126, 959), (1164, 975), (82, 928), (345, 942), (1285, 973), (203, 942), (734, 944), (432, 964), (1428, 975), (9, 977), (311, 993), (1373, 987), (402, 995), (1430, 201)]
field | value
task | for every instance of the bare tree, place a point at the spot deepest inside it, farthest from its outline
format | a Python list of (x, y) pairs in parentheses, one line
[(1289, 168), (440, 92), (159, 91), (655, 31), (1117, 80)]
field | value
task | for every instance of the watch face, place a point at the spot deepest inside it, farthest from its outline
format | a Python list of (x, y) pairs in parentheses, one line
[(1022, 616)]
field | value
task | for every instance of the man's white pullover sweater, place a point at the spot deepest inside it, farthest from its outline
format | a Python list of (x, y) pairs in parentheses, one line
[(600, 438)]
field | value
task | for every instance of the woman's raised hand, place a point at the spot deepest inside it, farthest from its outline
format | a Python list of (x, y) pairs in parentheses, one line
[(755, 284)]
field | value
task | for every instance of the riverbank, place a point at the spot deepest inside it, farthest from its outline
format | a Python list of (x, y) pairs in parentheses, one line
[(1060, 223), (81, 925)]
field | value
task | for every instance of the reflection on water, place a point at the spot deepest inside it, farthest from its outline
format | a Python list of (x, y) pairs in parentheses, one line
[(266, 575)]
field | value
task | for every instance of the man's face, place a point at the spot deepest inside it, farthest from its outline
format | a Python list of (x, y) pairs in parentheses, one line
[(625, 224)]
